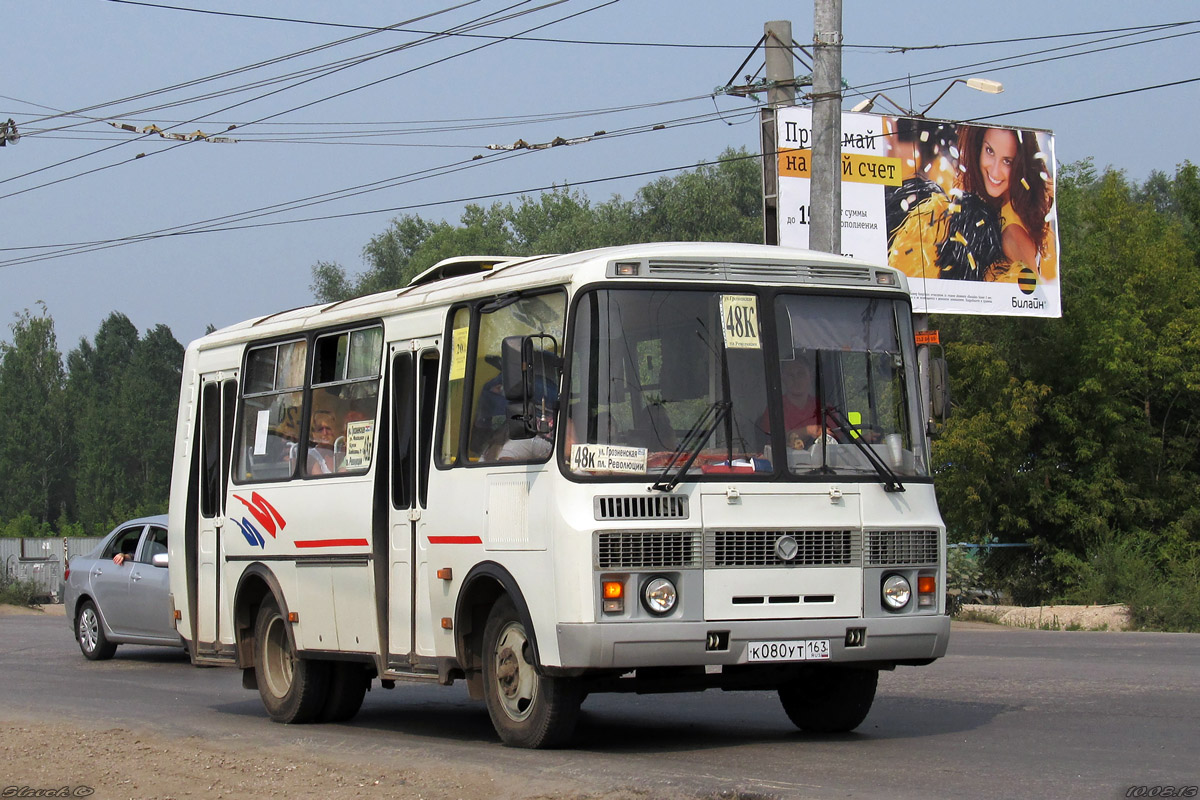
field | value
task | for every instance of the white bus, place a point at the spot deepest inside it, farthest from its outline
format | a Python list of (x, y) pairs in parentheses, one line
[(653, 468)]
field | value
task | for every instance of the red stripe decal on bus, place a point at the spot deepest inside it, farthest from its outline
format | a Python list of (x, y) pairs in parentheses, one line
[(332, 543), (455, 540)]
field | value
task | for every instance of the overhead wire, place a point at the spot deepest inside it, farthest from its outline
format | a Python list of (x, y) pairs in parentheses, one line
[(314, 102), (197, 81), (235, 222), (934, 76)]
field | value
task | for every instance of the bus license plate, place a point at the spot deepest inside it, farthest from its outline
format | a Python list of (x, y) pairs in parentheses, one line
[(788, 650)]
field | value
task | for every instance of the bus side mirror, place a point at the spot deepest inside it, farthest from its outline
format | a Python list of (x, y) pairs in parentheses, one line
[(529, 377), (939, 389)]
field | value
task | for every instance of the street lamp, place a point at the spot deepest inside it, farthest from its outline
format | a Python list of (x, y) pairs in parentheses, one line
[(869, 103), (978, 84)]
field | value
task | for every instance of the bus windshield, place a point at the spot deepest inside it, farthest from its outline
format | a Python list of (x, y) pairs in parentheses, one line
[(671, 381)]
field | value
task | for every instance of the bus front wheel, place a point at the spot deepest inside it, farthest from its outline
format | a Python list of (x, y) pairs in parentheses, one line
[(830, 700), (528, 709), (293, 689)]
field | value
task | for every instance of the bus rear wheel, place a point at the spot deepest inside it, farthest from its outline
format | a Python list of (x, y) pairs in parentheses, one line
[(293, 689), (528, 709), (830, 699), (348, 683)]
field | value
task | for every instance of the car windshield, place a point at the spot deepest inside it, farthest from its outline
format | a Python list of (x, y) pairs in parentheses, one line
[(679, 384)]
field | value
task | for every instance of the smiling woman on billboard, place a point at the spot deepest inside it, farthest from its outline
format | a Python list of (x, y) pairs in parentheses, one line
[(992, 226)]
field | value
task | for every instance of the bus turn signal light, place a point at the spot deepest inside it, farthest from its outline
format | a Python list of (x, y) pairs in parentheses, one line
[(613, 593), (926, 591)]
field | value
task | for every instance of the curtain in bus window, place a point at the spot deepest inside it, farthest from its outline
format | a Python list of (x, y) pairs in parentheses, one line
[(460, 331), (840, 323)]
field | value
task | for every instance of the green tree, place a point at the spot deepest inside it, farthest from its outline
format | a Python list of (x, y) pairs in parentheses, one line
[(124, 392), (35, 439), (1104, 476)]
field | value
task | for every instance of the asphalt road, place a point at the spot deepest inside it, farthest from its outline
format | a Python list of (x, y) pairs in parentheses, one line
[(1008, 713)]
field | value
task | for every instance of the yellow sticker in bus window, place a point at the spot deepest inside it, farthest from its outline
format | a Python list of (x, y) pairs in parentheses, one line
[(739, 321), (458, 356)]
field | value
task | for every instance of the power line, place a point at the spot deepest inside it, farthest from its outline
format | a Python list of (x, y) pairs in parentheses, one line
[(899, 48), (311, 103), (204, 227), (938, 75)]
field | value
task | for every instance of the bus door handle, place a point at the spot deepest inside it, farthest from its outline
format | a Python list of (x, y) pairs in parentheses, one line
[(414, 514)]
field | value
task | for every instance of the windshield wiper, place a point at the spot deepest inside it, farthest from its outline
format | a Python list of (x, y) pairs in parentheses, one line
[(695, 439), (891, 481)]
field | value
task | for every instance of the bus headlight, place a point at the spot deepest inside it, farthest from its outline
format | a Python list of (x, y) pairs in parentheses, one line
[(659, 596), (896, 592)]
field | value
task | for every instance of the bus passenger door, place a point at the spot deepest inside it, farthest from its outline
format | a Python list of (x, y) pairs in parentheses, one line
[(218, 397), (414, 371)]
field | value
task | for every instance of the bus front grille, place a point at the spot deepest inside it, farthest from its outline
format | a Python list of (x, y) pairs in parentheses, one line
[(648, 549), (641, 507), (807, 548), (900, 548)]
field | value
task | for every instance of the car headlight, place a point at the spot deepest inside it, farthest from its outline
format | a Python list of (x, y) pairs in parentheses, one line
[(659, 596), (896, 592)]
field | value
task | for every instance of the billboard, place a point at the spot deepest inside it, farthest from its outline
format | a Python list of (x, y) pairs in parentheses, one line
[(966, 211)]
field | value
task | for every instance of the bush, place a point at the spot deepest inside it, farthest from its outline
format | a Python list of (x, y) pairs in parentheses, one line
[(1162, 594), (19, 591)]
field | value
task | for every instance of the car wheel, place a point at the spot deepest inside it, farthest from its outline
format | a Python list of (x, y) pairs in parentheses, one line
[(528, 709), (831, 700), (89, 631), (293, 689), (348, 683)]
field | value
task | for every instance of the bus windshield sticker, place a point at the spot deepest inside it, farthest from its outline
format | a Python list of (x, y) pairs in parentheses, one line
[(608, 458), (739, 321), (458, 357), (359, 434)]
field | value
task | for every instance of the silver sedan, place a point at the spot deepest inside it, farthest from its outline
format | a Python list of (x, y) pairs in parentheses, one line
[(119, 593)]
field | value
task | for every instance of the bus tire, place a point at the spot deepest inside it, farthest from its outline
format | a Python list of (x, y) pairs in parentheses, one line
[(528, 709), (831, 700), (293, 689), (347, 688), (89, 632)]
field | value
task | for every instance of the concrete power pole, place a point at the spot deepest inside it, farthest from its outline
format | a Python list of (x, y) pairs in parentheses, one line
[(825, 198), (781, 92), (781, 72)]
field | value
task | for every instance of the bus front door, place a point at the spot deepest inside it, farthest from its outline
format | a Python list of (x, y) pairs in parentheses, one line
[(414, 372), (218, 397)]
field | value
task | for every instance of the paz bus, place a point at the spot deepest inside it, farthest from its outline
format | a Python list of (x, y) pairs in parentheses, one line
[(655, 468)]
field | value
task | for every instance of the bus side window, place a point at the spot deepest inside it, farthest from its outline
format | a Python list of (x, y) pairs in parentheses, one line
[(273, 395)]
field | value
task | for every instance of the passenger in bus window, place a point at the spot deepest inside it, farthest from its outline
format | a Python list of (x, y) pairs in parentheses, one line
[(322, 460)]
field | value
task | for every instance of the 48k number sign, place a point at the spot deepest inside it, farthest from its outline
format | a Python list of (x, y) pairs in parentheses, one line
[(739, 321)]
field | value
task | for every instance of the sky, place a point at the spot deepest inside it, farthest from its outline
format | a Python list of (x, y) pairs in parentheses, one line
[(358, 125)]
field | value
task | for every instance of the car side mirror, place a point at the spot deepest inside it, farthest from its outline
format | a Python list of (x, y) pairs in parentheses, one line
[(159, 559)]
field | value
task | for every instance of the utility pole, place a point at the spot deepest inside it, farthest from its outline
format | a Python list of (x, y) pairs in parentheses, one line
[(825, 196), (781, 74), (781, 92)]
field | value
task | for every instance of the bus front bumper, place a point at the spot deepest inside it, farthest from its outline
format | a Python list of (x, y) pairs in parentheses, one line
[(660, 643)]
